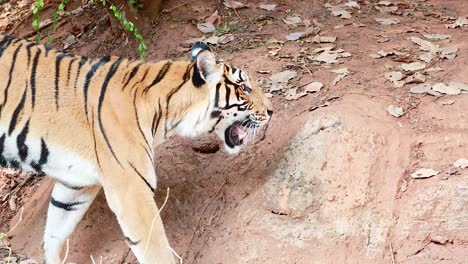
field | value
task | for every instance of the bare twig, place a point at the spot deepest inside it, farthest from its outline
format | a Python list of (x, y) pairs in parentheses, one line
[(66, 252), (30, 14), (152, 222), (177, 6), (17, 223), (413, 106), (201, 216), (391, 252), (307, 69)]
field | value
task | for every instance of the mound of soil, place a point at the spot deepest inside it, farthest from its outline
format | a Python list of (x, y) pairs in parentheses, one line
[(331, 182)]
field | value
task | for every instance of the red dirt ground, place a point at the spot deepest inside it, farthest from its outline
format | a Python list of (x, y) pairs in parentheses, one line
[(362, 206)]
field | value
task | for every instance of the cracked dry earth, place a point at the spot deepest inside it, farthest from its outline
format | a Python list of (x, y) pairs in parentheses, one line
[(329, 184)]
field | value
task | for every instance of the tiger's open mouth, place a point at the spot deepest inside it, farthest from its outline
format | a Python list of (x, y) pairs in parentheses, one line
[(236, 133)]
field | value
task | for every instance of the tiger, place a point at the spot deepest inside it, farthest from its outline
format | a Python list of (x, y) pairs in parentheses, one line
[(93, 124)]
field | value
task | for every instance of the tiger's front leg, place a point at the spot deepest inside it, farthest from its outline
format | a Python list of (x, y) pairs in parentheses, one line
[(67, 206), (132, 201)]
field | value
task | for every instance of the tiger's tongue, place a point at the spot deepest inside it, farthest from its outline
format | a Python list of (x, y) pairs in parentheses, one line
[(241, 132)]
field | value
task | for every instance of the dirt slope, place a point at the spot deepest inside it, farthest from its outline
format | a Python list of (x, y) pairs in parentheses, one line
[(331, 185)]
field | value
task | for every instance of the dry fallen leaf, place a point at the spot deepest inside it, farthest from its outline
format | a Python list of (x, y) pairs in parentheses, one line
[(313, 87), (206, 27), (394, 76), (213, 17), (446, 102), (424, 173), (326, 57), (226, 38), (352, 4), (293, 21), (426, 57), (395, 110), (415, 78), (436, 36), (459, 85), (420, 89), (233, 4), (460, 22), (448, 53), (269, 7), (298, 35), (339, 12), (385, 3), (446, 89), (292, 94), (461, 163), (283, 77), (388, 21), (321, 39), (273, 50), (414, 66), (69, 40), (425, 45), (280, 79), (343, 72)]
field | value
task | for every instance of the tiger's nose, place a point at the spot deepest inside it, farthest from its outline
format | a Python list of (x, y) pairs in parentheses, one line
[(269, 112)]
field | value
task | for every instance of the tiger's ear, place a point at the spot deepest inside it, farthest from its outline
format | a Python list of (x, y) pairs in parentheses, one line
[(205, 60)]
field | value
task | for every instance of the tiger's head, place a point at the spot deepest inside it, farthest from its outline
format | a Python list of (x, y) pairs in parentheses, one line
[(240, 109)]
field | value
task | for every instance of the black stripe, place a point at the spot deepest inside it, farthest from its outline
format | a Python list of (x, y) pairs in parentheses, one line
[(159, 114), (186, 77), (89, 76), (150, 157), (47, 49), (240, 76), (141, 176), (132, 74), (109, 75), (239, 106), (33, 77), (10, 78), (14, 164), (227, 81), (83, 60), (132, 243), (20, 142), (217, 122), (228, 94), (218, 86), (70, 64), (215, 113), (4, 44), (94, 140), (160, 76), (144, 77), (17, 111), (64, 206), (43, 158), (138, 123), (3, 162), (28, 52), (58, 60), (236, 91), (76, 188), (197, 79)]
